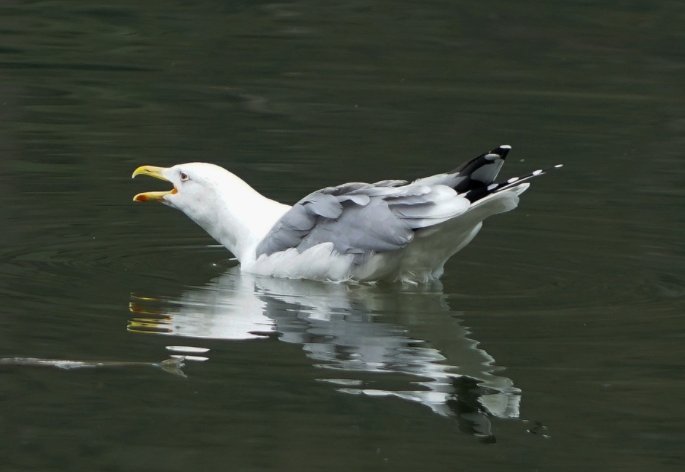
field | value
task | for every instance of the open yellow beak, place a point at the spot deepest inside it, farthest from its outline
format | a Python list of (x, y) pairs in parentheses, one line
[(157, 173)]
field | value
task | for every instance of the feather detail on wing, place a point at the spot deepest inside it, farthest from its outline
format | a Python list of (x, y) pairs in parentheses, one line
[(360, 218)]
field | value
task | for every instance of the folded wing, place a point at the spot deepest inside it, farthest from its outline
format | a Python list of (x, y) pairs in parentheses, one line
[(361, 218)]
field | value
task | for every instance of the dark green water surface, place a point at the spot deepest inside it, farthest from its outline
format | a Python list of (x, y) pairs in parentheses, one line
[(556, 341)]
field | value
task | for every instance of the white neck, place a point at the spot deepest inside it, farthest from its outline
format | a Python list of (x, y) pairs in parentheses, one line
[(234, 213), (244, 221)]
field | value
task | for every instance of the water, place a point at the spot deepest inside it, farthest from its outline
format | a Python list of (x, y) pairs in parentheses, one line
[(554, 343)]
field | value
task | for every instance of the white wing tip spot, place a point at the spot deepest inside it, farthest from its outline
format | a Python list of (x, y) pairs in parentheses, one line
[(512, 180), (537, 172), (505, 146), (558, 166)]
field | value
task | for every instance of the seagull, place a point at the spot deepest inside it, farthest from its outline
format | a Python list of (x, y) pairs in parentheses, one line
[(391, 230)]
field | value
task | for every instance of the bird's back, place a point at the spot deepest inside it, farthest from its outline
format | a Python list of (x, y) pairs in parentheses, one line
[(390, 230)]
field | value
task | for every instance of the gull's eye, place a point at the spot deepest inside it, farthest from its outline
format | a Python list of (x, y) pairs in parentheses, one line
[(184, 177)]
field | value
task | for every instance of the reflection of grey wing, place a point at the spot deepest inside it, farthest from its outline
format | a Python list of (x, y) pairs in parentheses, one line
[(359, 218)]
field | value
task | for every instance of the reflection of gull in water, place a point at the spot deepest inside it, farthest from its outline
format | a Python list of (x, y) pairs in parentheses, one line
[(358, 331)]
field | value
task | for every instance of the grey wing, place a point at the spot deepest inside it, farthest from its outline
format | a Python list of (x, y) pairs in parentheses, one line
[(359, 218)]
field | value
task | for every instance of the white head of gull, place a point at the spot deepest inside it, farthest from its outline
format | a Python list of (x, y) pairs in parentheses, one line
[(389, 230)]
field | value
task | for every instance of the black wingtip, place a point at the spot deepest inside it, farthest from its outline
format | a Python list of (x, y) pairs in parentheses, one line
[(481, 170), (478, 193), (501, 150)]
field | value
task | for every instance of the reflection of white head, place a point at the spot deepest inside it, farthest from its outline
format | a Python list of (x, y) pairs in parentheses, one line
[(338, 326)]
